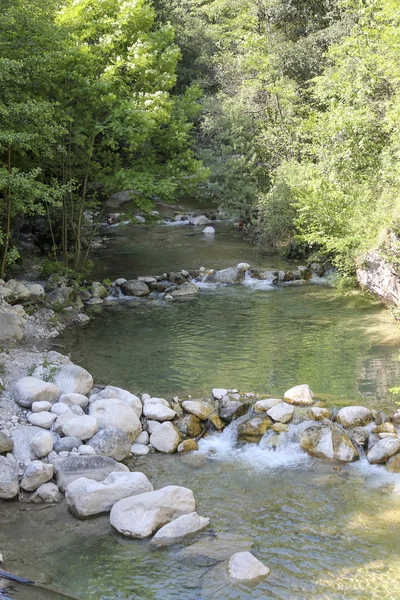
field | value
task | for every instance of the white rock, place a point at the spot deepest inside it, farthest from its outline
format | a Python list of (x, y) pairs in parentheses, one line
[(127, 397), (282, 412), (41, 406), (165, 438), (219, 393), (74, 400), (35, 474), (146, 399), (77, 410), (59, 409), (116, 413), (47, 493), (42, 444), (158, 412), (142, 438), (139, 449), (87, 497), (209, 230), (31, 389), (243, 266), (244, 566), (61, 420), (180, 528), (300, 395), (354, 416), (152, 426), (74, 379), (42, 419), (383, 450), (201, 410), (140, 516), (9, 486), (266, 404), (85, 450), (81, 427)]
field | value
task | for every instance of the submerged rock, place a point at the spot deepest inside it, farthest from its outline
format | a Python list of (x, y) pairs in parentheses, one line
[(244, 566), (179, 529), (328, 441), (86, 497), (300, 395), (140, 516), (211, 550)]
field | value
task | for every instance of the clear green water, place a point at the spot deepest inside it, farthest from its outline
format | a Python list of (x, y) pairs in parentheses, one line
[(324, 534)]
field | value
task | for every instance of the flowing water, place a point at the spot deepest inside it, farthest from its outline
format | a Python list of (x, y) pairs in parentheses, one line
[(326, 532)]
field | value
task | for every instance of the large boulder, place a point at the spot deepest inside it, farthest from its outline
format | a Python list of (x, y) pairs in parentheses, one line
[(116, 413), (140, 516), (10, 325), (254, 429), (130, 399), (92, 467), (328, 441), (383, 450), (112, 442), (74, 379), (158, 412), (64, 296), (66, 444), (87, 497), (9, 486), (83, 427), (186, 289), (300, 395), (165, 438), (189, 425), (31, 389), (198, 408), (134, 287), (354, 416), (179, 529), (282, 412), (36, 473), (244, 567)]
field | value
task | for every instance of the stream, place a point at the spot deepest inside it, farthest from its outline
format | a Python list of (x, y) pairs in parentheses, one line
[(326, 532)]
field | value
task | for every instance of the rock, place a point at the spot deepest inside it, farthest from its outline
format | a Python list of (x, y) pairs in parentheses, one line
[(42, 419), (266, 404), (186, 289), (66, 444), (254, 429), (396, 417), (216, 421), (20, 292), (86, 497), (354, 416), (60, 409), (243, 266), (385, 428), (383, 450), (134, 287), (42, 444), (74, 379), (229, 409), (6, 294), (219, 393), (139, 449), (199, 409), (10, 324), (244, 566), (188, 446), (200, 220), (36, 473), (6, 443), (319, 414), (393, 464), (127, 397), (282, 412), (35, 290), (189, 426), (116, 413), (299, 395), (179, 529), (165, 438), (209, 230), (280, 427), (140, 516), (72, 467), (152, 426), (42, 406), (111, 442), (9, 486), (328, 441), (74, 400), (61, 421), (149, 400), (47, 493), (142, 438), (360, 435), (229, 276), (22, 438), (158, 412), (31, 389), (210, 550), (81, 427), (98, 290), (65, 296)]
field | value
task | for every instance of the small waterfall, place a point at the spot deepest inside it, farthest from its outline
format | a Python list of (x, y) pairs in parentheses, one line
[(258, 284)]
